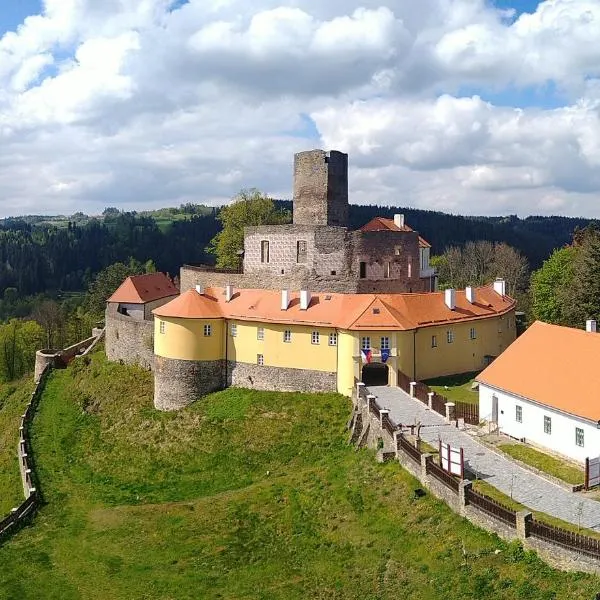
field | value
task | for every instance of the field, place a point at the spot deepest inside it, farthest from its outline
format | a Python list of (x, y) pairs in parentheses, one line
[(455, 387), (243, 495)]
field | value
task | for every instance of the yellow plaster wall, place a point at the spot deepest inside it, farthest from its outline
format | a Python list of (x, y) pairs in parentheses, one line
[(184, 339), (494, 335), (348, 369), (300, 353)]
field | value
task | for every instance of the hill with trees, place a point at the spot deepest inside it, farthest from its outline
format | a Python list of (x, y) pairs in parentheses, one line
[(244, 495)]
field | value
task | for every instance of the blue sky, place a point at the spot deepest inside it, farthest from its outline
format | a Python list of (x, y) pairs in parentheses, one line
[(13, 12)]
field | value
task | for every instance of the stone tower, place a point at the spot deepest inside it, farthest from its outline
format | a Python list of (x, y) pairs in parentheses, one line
[(321, 188)]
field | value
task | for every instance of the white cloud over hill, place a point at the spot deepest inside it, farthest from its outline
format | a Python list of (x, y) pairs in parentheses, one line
[(443, 104)]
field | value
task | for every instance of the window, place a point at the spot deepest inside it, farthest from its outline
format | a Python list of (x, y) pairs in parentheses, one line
[(363, 270), (449, 336), (473, 333), (397, 251), (287, 336), (365, 343), (518, 414), (409, 267), (434, 341), (547, 425), (161, 327), (385, 343), (260, 360), (387, 269), (315, 337), (260, 333), (207, 330), (579, 436), (233, 330), (264, 251), (301, 251), (333, 339)]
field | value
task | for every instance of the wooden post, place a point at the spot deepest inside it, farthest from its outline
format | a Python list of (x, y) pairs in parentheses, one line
[(413, 385), (430, 399), (587, 473)]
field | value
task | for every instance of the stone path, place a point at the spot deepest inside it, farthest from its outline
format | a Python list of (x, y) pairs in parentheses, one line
[(527, 488)]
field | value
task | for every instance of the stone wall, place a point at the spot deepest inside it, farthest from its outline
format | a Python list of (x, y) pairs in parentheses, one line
[(321, 188), (178, 383), (129, 340), (278, 378), (333, 257)]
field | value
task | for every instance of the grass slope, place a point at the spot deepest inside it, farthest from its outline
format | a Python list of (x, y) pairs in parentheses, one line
[(243, 495), (456, 387), (13, 398)]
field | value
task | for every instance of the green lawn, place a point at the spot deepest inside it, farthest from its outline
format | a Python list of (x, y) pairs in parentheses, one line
[(456, 387), (13, 398), (243, 495), (544, 462)]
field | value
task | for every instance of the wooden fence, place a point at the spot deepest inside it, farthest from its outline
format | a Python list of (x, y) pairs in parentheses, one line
[(462, 410), (436, 471), (492, 507), (570, 540), (405, 446)]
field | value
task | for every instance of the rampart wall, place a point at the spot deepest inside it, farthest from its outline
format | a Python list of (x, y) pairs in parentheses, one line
[(129, 340)]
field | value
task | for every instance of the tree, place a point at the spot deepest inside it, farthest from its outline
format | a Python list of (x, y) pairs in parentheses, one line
[(19, 341), (512, 266), (550, 284), (248, 208), (582, 296), (50, 316)]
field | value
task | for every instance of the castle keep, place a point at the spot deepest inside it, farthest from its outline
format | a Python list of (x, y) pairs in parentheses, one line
[(318, 251), (317, 307)]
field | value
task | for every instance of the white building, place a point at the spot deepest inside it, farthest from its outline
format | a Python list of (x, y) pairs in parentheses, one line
[(545, 389)]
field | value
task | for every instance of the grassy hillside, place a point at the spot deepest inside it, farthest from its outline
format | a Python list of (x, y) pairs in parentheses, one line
[(243, 495), (13, 398)]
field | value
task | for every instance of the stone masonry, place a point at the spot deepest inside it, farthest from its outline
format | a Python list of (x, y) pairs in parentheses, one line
[(129, 340), (278, 378)]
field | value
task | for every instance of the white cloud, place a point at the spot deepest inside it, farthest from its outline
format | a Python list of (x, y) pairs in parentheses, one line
[(130, 103)]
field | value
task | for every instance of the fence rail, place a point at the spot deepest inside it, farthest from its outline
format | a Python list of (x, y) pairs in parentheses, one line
[(436, 471), (566, 539), (388, 425), (468, 412), (404, 382), (438, 403), (492, 507), (405, 446), (421, 391)]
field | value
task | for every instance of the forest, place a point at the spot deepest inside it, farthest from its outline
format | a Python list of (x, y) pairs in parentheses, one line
[(56, 272)]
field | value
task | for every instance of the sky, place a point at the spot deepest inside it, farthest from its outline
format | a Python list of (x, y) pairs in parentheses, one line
[(464, 106)]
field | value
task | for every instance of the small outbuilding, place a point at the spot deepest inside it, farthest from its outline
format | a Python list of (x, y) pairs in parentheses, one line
[(545, 389)]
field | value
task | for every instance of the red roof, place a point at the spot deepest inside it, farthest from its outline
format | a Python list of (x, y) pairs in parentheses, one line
[(345, 311), (139, 289), (383, 224)]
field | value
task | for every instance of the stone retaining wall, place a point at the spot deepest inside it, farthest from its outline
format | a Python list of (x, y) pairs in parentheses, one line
[(279, 379)]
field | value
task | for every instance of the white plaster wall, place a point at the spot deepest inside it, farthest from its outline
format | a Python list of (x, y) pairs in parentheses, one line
[(562, 438)]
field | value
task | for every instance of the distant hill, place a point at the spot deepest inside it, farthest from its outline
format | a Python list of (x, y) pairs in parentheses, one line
[(41, 253)]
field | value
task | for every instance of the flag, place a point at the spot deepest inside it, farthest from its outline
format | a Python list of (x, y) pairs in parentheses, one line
[(366, 355), (385, 354)]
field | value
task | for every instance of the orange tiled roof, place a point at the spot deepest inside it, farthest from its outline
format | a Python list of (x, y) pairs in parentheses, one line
[(139, 289), (551, 365), (343, 311), (383, 224)]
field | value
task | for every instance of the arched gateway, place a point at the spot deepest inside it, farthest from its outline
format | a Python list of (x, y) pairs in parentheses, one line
[(375, 374)]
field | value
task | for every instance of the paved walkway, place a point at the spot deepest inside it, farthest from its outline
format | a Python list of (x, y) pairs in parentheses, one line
[(527, 488)]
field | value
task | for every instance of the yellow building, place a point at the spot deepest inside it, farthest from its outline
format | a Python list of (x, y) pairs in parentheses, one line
[(205, 340)]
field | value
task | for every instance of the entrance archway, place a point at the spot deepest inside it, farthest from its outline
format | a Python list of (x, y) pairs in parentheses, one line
[(375, 374)]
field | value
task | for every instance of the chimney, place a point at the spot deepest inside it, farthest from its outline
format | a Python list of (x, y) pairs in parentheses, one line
[(450, 298), (285, 299), (470, 294), (590, 326), (228, 293), (500, 287), (399, 221), (304, 299), (200, 288)]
